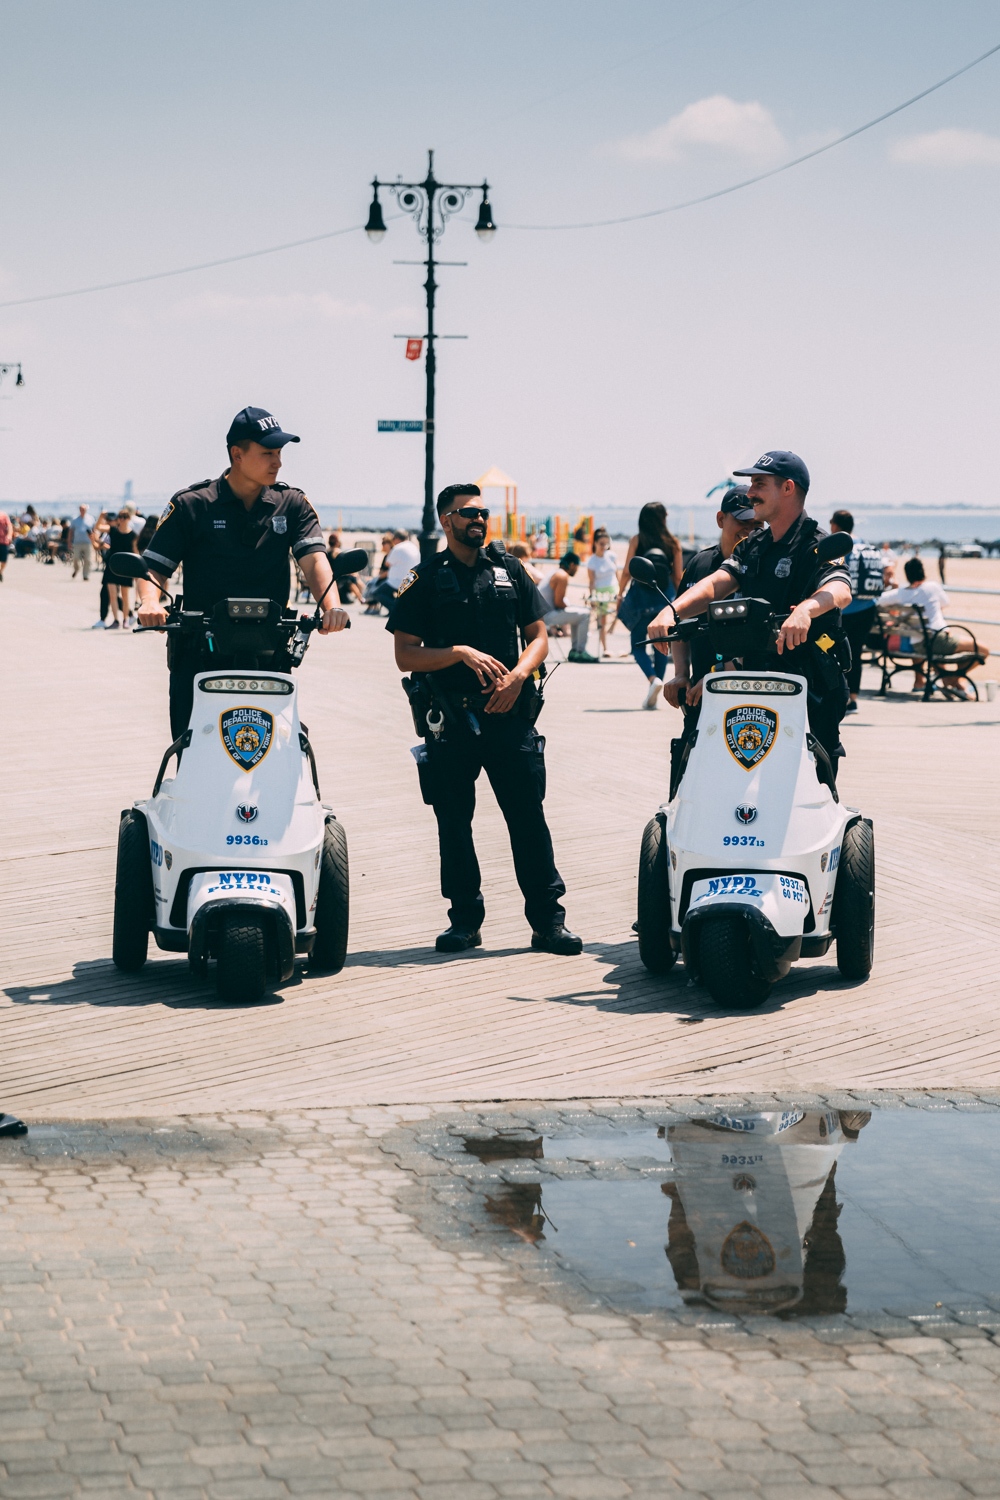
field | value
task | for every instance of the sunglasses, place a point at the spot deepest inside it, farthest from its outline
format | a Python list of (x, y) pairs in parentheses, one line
[(471, 513)]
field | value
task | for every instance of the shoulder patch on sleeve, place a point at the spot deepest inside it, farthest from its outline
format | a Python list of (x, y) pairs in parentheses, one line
[(407, 582), (166, 513)]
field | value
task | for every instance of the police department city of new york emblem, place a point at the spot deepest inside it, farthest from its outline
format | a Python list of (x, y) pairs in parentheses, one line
[(750, 732), (246, 734)]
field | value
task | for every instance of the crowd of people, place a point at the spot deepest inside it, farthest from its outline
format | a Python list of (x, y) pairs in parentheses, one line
[(82, 542)]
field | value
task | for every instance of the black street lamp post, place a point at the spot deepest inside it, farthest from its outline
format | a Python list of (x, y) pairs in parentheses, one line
[(8, 368), (431, 204)]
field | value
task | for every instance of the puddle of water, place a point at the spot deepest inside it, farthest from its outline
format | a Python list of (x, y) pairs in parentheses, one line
[(798, 1213)]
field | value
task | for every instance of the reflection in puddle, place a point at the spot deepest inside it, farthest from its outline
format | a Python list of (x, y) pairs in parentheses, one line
[(791, 1212)]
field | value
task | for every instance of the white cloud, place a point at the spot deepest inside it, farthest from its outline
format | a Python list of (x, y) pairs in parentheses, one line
[(718, 122), (947, 148)]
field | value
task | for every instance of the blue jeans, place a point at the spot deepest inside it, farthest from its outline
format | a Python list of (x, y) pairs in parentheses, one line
[(641, 654)]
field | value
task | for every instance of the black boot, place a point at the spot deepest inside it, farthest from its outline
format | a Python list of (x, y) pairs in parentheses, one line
[(557, 939), (457, 939)]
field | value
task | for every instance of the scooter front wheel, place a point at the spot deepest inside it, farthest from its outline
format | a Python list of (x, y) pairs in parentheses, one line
[(727, 965), (241, 970)]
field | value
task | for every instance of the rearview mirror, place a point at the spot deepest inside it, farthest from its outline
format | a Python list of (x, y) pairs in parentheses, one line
[(642, 570), (354, 561), (837, 544), (128, 565)]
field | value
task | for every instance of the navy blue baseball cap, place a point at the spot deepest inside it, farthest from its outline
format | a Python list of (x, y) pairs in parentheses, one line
[(255, 425), (782, 465), (735, 503)]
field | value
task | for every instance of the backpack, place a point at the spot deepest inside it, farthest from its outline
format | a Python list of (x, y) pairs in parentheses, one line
[(865, 567)]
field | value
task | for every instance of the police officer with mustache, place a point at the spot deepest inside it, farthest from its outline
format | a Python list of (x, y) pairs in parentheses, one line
[(456, 622)]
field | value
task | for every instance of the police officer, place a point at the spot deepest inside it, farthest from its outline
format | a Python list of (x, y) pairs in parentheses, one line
[(779, 564), (455, 621), (233, 536), (736, 519)]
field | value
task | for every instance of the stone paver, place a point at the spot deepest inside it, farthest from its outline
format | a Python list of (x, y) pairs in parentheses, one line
[(226, 1308)]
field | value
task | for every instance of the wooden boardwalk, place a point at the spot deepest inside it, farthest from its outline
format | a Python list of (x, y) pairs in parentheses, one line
[(84, 717)]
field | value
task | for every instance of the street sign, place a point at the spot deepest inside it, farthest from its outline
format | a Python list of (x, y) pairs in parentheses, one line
[(385, 426)]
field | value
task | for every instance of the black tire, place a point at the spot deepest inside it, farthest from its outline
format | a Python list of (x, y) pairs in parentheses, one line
[(853, 916), (726, 962), (653, 924), (133, 895), (333, 903), (241, 970)]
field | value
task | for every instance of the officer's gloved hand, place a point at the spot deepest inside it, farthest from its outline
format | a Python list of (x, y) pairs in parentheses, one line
[(334, 619)]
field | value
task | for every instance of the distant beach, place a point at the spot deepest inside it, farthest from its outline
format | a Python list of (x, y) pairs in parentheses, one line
[(909, 525)]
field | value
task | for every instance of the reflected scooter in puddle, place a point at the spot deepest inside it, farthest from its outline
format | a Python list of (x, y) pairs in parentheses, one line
[(753, 1214)]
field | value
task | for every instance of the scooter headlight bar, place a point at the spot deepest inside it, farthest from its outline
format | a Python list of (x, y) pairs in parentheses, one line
[(246, 685), (760, 685)]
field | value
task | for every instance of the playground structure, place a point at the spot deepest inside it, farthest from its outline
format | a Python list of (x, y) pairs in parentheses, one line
[(547, 536)]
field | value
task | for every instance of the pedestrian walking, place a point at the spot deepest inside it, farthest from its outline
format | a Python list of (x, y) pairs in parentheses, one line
[(602, 571), (866, 569), (6, 540), (121, 538), (636, 605), (81, 531)]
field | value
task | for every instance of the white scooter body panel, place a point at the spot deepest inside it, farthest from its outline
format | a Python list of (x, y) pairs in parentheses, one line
[(242, 800), (750, 803)]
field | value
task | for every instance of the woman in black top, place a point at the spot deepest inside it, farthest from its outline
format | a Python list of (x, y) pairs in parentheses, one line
[(655, 541), (121, 538)]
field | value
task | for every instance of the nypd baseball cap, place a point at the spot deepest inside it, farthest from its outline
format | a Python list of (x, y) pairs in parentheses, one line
[(782, 465), (254, 424), (735, 503)]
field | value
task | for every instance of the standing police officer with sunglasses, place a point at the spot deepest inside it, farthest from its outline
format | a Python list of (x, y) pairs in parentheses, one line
[(456, 621)]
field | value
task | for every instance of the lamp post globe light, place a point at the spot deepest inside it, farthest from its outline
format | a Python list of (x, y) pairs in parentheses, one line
[(430, 204), (8, 368)]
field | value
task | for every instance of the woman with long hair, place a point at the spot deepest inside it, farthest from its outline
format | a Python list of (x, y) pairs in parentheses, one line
[(656, 541)]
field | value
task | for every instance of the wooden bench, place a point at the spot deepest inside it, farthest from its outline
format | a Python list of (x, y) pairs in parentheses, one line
[(902, 641)]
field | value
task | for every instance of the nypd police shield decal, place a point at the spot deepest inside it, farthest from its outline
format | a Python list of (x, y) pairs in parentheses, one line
[(246, 734), (750, 731)]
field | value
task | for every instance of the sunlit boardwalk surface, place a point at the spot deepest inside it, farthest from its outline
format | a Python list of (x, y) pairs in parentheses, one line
[(85, 725)]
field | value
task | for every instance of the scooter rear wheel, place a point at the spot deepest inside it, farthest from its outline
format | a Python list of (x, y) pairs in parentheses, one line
[(726, 962), (241, 970), (853, 915), (332, 903), (653, 925), (133, 895)]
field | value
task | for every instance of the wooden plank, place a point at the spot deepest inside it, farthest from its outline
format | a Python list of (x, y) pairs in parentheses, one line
[(87, 726)]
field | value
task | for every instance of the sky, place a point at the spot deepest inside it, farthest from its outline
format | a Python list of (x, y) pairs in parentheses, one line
[(846, 309)]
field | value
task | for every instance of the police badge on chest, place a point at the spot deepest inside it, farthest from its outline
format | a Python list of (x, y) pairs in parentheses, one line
[(279, 524)]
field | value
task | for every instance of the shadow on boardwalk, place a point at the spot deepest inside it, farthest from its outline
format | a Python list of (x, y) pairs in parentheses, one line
[(97, 982)]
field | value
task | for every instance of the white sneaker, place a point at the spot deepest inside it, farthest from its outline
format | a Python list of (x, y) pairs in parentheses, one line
[(98, 625), (653, 693)]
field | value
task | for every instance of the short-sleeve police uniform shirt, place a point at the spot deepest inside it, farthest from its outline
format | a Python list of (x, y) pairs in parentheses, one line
[(787, 571), (229, 551), (702, 565), (415, 610)]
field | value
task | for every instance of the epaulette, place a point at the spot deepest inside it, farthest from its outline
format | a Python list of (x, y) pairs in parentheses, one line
[(279, 484), (200, 484)]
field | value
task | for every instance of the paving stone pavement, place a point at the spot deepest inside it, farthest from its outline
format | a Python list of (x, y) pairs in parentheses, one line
[(248, 1306)]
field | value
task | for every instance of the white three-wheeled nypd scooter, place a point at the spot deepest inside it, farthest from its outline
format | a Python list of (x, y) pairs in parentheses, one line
[(753, 862), (236, 858)]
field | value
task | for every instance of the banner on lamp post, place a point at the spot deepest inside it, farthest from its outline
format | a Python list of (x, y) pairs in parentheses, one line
[(413, 348)]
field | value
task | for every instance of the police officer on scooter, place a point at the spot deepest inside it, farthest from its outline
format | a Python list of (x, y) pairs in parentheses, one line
[(456, 621), (779, 564), (736, 520), (234, 535)]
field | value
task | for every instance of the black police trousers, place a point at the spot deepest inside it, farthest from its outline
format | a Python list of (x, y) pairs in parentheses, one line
[(512, 755), (183, 670)]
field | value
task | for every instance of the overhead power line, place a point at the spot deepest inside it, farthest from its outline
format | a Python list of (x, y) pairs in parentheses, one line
[(736, 187), (207, 265), (652, 213)]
